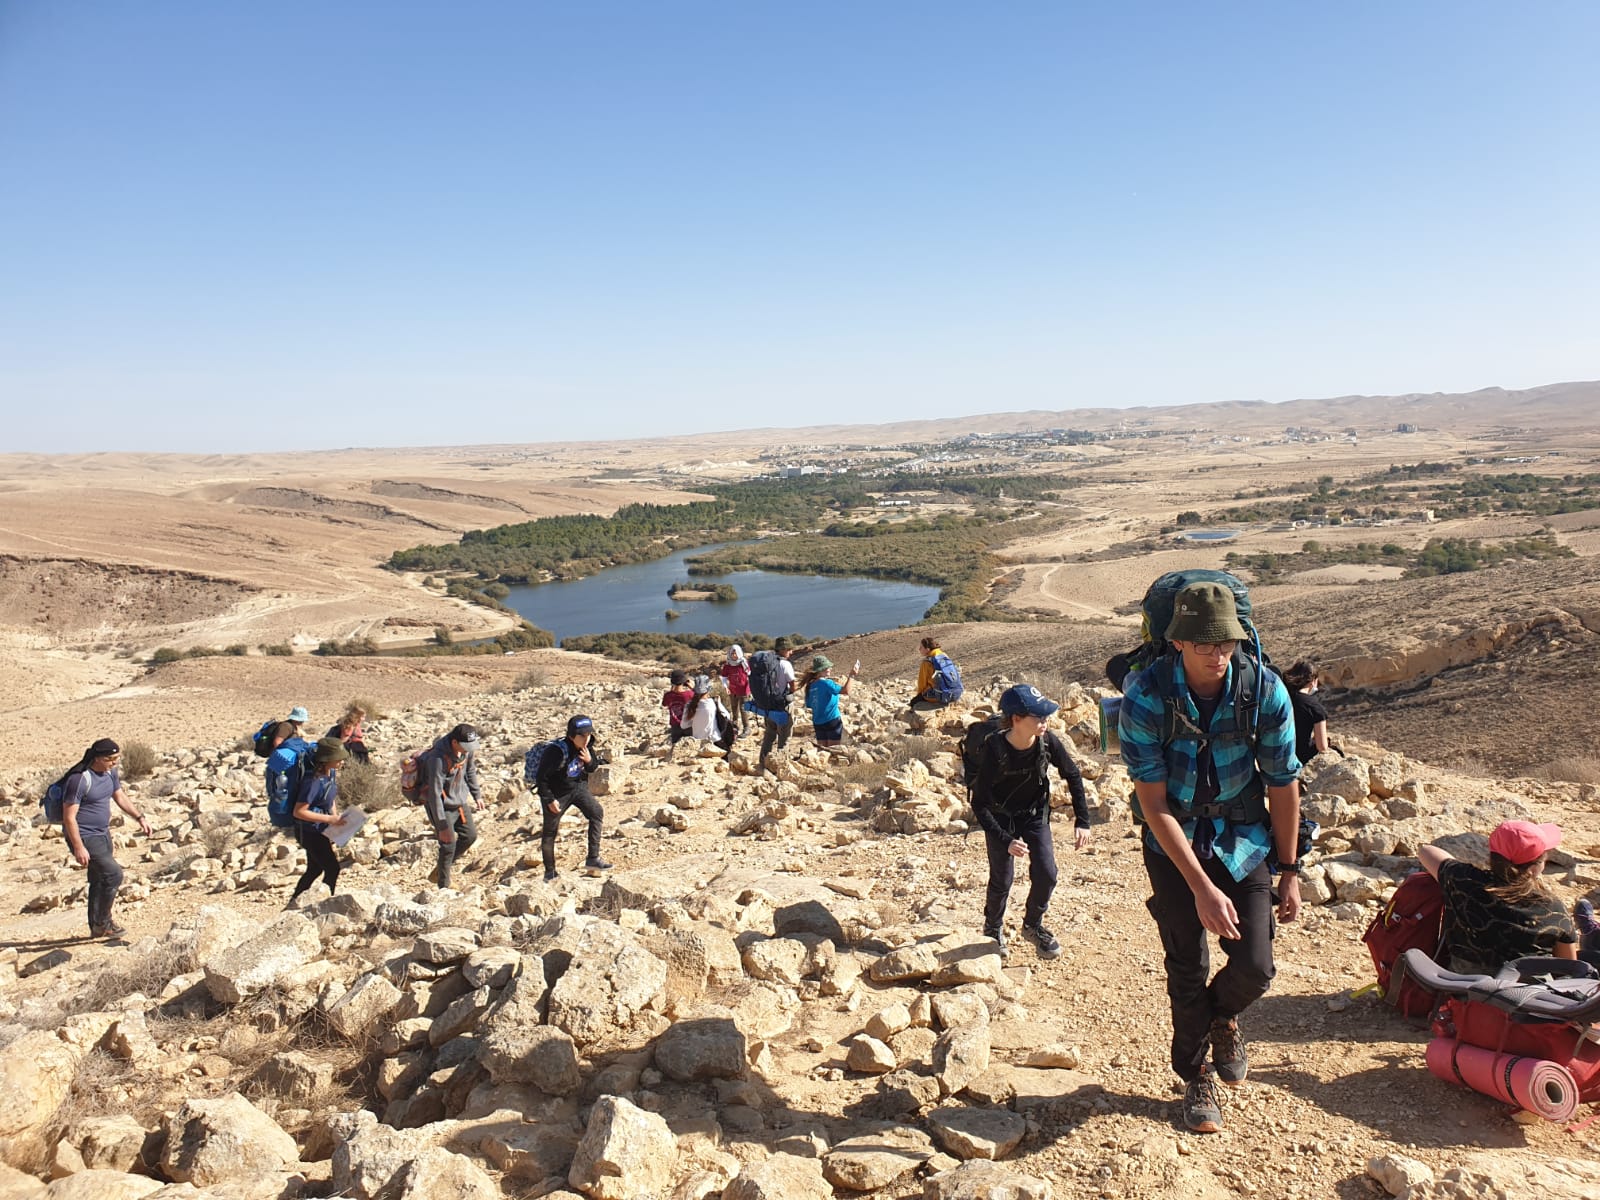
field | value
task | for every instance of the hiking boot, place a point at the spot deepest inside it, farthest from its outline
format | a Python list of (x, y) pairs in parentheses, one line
[(999, 935), (1202, 1103), (1228, 1053), (109, 930), (1043, 940), (596, 865), (551, 875)]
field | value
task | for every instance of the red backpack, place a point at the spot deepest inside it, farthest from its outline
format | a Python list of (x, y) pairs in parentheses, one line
[(1412, 920)]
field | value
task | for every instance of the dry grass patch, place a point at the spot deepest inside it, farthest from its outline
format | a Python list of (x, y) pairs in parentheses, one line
[(368, 786), (138, 760), (1570, 768)]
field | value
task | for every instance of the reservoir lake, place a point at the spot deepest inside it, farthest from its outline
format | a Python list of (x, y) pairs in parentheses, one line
[(635, 597)]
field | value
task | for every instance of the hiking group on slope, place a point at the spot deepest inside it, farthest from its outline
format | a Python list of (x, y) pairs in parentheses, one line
[(1213, 741)]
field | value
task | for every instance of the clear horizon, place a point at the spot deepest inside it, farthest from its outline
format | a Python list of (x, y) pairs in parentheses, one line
[(230, 229)]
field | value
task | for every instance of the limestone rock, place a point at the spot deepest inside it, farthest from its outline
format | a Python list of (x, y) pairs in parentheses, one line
[(979, 1180), (296, 1077), (977, 1132), (870, 1056), (491, 967), (240, 972), (887, 1022), (1398, 1172), (1354, 884), (962, 1054), (610, 981), (703, 1047), (626, 1153), (440, 1174), (444, 945), (18, 1185), (461, 1017), (1054, 1054), (779, 959), (873, 1160), (36, 1073), (536, 1054), (213, 1141), (781, 1177), (370, 999), (110, 1143), (1348, 778), (103, 1185), (917, 961)]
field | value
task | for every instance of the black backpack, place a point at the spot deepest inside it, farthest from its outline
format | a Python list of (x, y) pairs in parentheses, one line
[(261, 741), (767, 686), (977, 738)]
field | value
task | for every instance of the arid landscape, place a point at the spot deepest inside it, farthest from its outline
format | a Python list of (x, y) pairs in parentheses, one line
[(1467, 695)]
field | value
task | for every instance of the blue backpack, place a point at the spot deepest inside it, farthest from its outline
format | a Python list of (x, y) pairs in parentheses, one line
[(280, 809), (534, 759), (54, 799), (946, 678)]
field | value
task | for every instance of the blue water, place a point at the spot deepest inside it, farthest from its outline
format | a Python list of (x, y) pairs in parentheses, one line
[(635, 597), (1210, 535)]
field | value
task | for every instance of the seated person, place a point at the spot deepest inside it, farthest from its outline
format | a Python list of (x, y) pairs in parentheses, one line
[(1492, 917)]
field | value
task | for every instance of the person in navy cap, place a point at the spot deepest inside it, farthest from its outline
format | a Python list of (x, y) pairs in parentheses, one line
[(1011, 800)]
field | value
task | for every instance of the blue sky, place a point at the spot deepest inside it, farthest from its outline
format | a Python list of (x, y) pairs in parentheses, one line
[(227, 227)]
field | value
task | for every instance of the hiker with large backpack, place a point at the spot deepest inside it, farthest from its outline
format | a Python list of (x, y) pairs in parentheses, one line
[(447, 788), (315, 809), (559, 771), (771, 682), (87, 792), (286, 769), (938, 679), (1207, 735), (1011, 800), (1497, 916)]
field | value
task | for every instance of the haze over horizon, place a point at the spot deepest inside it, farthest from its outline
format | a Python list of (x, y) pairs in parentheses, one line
[(238, 229)]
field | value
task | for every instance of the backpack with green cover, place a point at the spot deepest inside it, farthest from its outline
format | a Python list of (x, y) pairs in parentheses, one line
[(1156, 615)]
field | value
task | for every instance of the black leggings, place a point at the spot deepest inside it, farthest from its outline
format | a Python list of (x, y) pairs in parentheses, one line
[(322, 859)]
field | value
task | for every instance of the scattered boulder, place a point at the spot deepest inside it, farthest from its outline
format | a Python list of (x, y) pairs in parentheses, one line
[(626, 1153), (258, 962), (610, 981), (440, 1174), (977, 1132), (979, 1180), (876, 1159), (213, 1141), (781, 1177), (704, 1047)]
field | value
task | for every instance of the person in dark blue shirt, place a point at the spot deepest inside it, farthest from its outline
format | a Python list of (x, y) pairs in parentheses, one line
[(315, 809)]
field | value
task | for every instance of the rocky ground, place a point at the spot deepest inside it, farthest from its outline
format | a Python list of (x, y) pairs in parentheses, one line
[(779, 991)]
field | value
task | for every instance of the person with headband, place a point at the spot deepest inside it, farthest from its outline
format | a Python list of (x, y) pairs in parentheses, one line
[(735, 673), (91, 788)]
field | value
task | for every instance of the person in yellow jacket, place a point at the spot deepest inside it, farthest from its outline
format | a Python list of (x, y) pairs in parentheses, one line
[(932, 691)]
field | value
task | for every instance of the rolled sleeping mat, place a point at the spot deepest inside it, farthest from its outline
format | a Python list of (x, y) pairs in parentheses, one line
[(1536, 1084)]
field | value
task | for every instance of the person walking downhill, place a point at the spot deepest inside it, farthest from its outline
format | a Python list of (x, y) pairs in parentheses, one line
[(735, 673), (708, 720), (449, 791), (90, 789), (562, 781), (822, 694), (771, 682), (315, 809), (1011, 800), (1216, 794)]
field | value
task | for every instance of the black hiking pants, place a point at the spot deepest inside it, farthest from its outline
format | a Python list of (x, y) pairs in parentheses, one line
[(1196, 1003), (1034, 832), (583, 800), (105, 877), (466, 829), (322, 860)]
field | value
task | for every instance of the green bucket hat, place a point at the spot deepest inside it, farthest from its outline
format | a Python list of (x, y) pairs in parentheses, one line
[(1205, 612), (821, 662)]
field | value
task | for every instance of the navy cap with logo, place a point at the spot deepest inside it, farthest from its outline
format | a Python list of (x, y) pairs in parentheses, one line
[(580, 724), (1026, 700)]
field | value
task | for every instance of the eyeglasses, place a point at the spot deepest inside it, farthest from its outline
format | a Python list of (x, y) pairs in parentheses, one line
[(1212, 649)]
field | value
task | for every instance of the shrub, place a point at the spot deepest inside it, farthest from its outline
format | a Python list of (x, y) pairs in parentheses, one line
[(138, 760), (673, 614), (166, 655), (355, 647), (442, 637), (1571, 768), (371, 707), (531, 678), (278, 650), (496, 591), (237, 650), (368, 786)]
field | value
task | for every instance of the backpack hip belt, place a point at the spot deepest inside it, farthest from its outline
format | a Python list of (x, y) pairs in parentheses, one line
[(1249, 807)]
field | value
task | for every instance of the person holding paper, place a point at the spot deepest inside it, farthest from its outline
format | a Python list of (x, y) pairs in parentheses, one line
[(314, 810)]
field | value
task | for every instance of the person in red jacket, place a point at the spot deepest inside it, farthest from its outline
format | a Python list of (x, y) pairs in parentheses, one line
[(736, 674)]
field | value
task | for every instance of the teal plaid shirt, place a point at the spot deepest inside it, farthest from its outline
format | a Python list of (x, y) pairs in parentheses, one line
[(1242, 847)]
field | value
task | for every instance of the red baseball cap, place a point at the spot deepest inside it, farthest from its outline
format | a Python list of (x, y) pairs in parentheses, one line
[(1523, 841)]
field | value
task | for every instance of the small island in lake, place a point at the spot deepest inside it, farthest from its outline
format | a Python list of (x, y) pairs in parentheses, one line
[(721, 593)]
